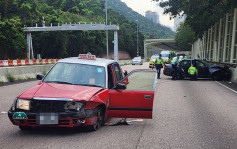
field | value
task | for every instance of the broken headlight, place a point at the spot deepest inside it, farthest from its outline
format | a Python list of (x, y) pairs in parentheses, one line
[(72, 105), (23, 104)]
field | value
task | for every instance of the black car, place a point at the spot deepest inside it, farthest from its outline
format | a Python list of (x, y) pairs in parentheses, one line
[(205, 70)]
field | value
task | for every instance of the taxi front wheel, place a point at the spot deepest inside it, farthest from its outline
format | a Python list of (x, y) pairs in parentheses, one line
[(99, 122)]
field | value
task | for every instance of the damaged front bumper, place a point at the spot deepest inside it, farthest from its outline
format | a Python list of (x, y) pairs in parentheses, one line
[(59, 119)]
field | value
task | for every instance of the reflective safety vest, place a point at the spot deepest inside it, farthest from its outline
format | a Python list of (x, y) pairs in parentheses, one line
[(172, 54), (159, 61), (192, 70), (174, 60)]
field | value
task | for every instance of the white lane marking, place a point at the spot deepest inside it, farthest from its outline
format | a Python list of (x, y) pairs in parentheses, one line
[(3, 112), (227, 87)]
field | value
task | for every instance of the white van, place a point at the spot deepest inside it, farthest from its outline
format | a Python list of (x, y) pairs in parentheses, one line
[(165, 55)]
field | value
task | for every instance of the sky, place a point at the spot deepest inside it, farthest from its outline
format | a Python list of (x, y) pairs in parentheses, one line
[(141, 6)]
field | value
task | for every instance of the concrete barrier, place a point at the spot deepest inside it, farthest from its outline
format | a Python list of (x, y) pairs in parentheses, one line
[(1, 63), (125, 62), (23, 72), (234, 75), (30, 71)]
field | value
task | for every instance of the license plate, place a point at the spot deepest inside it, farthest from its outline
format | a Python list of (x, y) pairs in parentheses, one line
[(47, 118)]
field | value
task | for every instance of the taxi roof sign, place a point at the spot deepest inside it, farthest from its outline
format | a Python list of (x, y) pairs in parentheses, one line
[(87, 56)]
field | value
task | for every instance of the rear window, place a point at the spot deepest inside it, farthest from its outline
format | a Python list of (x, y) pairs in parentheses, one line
[(165, 55), (137, 58)]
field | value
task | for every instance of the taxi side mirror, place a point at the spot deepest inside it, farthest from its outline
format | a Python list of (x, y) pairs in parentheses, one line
[(125, 73), (120, 86), (39, 77)]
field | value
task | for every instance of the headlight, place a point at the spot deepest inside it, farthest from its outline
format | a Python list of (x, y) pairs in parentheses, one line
[(23, 104), (71, 105)]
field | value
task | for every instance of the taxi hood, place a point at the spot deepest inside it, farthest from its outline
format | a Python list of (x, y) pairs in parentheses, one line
[(53, 90)]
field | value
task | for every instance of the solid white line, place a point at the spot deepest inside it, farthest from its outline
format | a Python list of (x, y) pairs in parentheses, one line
[(227, 87), (3, 112)]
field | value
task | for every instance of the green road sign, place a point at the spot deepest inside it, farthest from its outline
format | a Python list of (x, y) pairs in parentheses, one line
[(19, 115)]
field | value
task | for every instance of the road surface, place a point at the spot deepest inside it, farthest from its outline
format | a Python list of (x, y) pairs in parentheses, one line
[(186, 115)]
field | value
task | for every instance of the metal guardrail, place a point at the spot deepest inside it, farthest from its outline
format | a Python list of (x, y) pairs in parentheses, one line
[(233, 65)]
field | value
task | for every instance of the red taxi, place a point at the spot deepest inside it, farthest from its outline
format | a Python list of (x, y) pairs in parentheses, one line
[(85, 91)]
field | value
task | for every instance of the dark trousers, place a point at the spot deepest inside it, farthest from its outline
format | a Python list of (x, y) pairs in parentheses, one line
[(158, 69), (193, 77), (175, 72)]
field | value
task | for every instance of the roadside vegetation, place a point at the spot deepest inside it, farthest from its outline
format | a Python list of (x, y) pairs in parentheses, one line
[(44, 73), (10, 77), (1, 82), (15, 14), (201, 15), (149, 29)]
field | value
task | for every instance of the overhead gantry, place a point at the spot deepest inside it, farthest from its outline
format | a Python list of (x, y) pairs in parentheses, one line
[(71, 27), (155, 46)]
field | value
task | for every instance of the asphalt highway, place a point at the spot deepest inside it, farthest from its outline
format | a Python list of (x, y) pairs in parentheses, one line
[(186, 115)]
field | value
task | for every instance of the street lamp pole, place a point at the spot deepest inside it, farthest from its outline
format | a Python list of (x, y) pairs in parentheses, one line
[(137, 37), (107, 40)]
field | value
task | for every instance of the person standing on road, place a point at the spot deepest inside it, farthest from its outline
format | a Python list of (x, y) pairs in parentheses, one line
[(159, 63), (193, 72), (174, 63), (185, 57), (198, 57)]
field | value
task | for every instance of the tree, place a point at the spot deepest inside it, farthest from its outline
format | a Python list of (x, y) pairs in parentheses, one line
[(201, 14), (12, 39), (14, 14), (184, 35)]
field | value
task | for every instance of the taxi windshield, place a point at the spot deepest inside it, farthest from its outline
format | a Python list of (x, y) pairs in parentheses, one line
[(76, 74)]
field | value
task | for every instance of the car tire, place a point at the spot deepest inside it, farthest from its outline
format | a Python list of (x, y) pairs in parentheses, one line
[(99, 122), (217, 76), (180, 76), (25, 128)]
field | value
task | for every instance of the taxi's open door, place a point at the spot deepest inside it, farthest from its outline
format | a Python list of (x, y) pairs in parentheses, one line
[(133, 96)]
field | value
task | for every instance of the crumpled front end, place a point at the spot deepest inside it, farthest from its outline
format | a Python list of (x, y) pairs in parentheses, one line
[(51, 112)]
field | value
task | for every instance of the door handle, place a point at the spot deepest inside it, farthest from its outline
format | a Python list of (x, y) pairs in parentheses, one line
[(147, 96)]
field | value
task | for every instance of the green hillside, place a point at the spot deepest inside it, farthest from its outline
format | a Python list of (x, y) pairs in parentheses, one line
[(15, 14), (146, 26)]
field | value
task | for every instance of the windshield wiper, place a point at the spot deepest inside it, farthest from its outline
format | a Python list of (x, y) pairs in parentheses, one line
[(59, 82), (90, 85)]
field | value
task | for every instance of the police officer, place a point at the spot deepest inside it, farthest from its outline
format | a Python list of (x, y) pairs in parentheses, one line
[(185, 57), (198, 57), (174, 63), (193, 72), (159, 63)]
